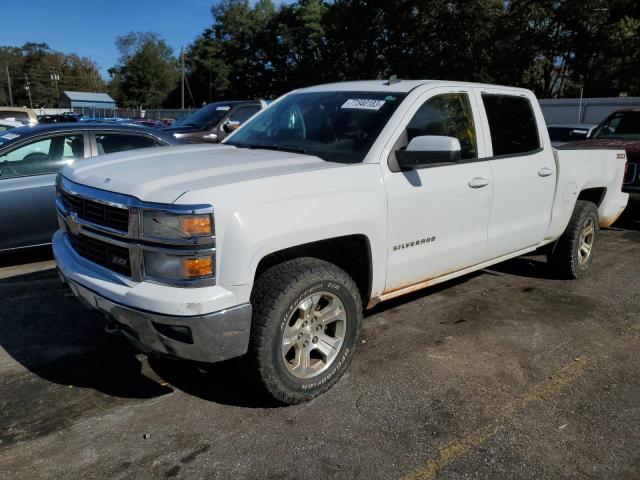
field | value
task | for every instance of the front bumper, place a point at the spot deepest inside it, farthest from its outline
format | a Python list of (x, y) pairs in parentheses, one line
[(206, 337)]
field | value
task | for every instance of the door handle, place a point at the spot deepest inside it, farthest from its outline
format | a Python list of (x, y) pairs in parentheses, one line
[(478, 182), (545, 172)]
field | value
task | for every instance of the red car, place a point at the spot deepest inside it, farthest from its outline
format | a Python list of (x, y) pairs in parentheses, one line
[(620, 130)]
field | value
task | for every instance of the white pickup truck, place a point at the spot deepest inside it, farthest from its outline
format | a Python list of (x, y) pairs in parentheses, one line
[(334, 198)]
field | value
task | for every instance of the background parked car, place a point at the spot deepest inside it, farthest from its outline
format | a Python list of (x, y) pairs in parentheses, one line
[(620, 130), (570, 132), (30, 159), (215, 121), (62, 118), (24, 115)]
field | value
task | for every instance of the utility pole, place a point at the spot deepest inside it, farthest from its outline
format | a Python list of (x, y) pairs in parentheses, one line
[(27, 87), (9, 83), (182, 73), (55, 78)]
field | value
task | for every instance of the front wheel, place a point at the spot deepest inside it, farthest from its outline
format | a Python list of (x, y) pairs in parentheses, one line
[(572, 255), (306, 324)]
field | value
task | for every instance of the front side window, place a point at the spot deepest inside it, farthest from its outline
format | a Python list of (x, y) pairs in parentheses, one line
[(42, 156), (335, 126), (512, 124), (620, 125), (243, 114), (121, 142), (447, 115)]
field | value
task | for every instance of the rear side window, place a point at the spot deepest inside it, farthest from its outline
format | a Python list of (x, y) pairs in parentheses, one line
[(119, 142), (512, 124)]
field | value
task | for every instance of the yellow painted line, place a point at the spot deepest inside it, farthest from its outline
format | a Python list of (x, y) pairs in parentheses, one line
[(541, 391)]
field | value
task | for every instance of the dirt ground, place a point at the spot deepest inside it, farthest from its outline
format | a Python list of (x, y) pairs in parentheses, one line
[(508, 373)]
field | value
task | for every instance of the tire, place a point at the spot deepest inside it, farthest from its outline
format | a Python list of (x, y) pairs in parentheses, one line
[(292, 330), (568, 257)]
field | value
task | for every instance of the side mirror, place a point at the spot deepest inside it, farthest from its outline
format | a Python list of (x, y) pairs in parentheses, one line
[(429, 150), (231, 125)]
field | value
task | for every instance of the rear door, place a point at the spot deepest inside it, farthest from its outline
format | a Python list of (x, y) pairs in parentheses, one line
[(27, 186), (523, 171)]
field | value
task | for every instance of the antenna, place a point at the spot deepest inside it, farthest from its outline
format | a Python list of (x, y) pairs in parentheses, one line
[(393, 79)]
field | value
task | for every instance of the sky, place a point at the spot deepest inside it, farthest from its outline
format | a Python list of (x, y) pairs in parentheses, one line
[(90, 27)]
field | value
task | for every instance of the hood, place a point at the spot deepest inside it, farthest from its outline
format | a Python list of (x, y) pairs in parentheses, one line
[(632, 147), (163, 174)]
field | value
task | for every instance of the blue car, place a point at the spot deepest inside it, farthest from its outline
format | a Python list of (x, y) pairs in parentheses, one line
[(30, 157)]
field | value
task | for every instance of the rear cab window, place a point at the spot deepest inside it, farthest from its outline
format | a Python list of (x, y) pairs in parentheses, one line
[(512, 124)]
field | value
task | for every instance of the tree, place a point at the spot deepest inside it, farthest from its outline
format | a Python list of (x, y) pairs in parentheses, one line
[(146, 72), (45, 69)]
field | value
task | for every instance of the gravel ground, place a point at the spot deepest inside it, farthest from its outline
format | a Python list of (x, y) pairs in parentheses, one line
[(507, 373)]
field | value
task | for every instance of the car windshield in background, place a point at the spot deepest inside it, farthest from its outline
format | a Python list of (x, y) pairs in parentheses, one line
[(335, 126), (205, 118), (620, 126)]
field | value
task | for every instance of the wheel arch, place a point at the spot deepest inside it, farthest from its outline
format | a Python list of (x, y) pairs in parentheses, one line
[(352, 253), (595, 195)]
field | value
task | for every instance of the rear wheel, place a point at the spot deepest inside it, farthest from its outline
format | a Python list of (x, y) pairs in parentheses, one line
[(306, 323), (573, 252)]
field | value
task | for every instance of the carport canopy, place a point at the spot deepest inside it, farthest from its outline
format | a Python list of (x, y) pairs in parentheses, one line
[(87, 101)]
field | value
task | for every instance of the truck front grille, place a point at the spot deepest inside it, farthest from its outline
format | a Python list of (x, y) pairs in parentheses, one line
[(96, 212), (111, 256)]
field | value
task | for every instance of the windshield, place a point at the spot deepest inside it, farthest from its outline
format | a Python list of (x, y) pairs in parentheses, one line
[(620, 125), (335, 126), (205, 118)]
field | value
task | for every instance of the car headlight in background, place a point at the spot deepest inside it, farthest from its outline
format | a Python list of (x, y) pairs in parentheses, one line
[(164, 266), (166, 225)]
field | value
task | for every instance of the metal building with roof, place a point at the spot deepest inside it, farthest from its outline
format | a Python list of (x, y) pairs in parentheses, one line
[(96, 104)]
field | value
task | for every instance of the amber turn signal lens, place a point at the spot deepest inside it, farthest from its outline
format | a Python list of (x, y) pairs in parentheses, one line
[(196, 225), (197, 267)]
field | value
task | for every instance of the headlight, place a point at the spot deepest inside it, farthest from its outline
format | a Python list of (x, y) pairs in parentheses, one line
[(159, 224), (178, 267)]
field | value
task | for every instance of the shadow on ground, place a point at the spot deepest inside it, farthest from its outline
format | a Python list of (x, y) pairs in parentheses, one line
[(45, 329), (29, 255)]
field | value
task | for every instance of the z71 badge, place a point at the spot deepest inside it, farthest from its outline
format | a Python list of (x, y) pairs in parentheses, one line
[(415, 243)]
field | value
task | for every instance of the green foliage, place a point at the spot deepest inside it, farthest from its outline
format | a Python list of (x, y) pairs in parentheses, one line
[(146, 72), (554, 47), (254, 49), (37, 63)]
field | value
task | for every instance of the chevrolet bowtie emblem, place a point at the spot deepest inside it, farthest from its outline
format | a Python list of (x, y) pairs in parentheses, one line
[(72, 224)]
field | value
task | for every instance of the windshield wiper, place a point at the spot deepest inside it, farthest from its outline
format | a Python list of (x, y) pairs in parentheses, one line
[(272, 146)]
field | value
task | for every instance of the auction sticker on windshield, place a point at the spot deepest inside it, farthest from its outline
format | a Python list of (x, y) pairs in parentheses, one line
[(10, 136), (363, 104)]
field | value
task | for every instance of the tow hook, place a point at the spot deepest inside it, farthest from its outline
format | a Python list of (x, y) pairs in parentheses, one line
[(112, 327)]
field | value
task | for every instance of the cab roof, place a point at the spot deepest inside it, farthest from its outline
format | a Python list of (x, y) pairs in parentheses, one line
[(397, 86)]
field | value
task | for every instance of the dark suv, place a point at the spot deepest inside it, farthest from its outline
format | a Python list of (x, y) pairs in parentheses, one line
[(215, 121)]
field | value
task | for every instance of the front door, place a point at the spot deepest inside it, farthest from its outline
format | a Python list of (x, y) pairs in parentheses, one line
[(27, 188), (438, 216)]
